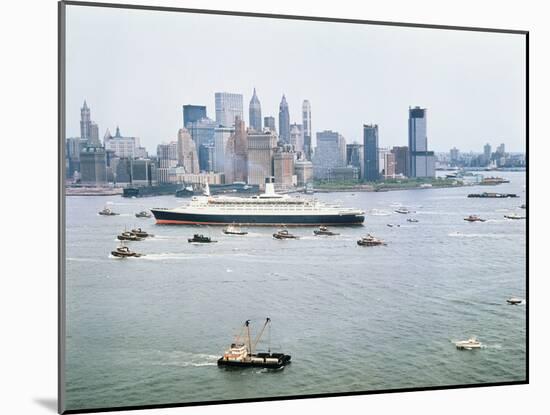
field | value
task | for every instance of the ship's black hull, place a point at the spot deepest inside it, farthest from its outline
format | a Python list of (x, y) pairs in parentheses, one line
[(178, 218)]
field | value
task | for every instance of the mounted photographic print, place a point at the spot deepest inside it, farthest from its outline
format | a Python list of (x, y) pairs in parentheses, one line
[(258, 207)]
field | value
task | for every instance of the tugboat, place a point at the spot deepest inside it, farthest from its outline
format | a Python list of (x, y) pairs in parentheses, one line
[(200, 239), (284, 234), (474, 218), (124, 252), (234, 230), (403, 210), (370, 240), (141, 233), (143, 214), (514, 300), (469, 344), (391, 225), (242, 353), (493, 195), (108, 212), (323, 230), (514, 216), (128, 236), (413, 220)]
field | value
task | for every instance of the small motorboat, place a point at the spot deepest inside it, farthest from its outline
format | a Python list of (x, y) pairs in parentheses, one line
[(234, 230), (141, 233), (514, 216), (469, 344), (403, 210), (514, 300), (124, 252), (412, 220), (108, 212), (323, 230), (370, 240), (143, 214), (524, 206), (474, 218), (129, 236), (284, 234), (200, 239), (391, 225)]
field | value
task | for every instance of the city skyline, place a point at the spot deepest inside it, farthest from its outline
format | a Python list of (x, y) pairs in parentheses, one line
[(371, 85)]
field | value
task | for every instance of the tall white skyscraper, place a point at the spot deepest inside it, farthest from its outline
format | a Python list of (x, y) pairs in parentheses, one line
[(422, 161), (228, 106)]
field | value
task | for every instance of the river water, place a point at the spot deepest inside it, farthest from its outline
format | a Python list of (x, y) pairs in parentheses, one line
[(149, 330)]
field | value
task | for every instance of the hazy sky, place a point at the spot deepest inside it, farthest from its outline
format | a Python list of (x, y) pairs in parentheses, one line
[(137, 68)]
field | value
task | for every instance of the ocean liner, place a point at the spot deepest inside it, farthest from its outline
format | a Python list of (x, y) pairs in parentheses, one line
[(268, 208)]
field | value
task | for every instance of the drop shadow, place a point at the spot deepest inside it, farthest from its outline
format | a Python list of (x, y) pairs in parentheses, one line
[(48, 403)]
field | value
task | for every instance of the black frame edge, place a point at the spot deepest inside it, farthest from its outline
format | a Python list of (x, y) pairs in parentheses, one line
[(61, 303), (290, 17)]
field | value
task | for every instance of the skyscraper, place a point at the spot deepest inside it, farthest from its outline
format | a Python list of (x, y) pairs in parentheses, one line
[(269, 122), (487, 152), (283, 165), (370, 146), (221, 135), (192, 113), (297, 137), (421, 161), (202, 132), (284, 121), (187, 152), (261, 147), (255, 113), (93, 165), (306, 123), (329, 154), (228, 107), (355, 157), (236, 154), (85, 121), (401, 160)]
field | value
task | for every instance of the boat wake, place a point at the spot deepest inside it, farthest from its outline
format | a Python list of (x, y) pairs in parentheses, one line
[(184, 359), (481, 235), (377, 212)]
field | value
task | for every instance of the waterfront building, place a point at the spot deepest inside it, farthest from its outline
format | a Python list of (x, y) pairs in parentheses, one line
[(221, 135), (421, 161), (283, 166), (297, 137), (192, 113), (261, 148), (187, 152), (167, 158), (355, 157), (144, 172), (401, 160), (123, 147), (73, 147), (255, 113), (235, 164), (344, 173), (389, 165), (455, 155), (269, 123), (303, 169), (93, 165), (284, 121), (306, 123), (487, 153), (330, 153), (371, 158), (228, 107), (181, 176)]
